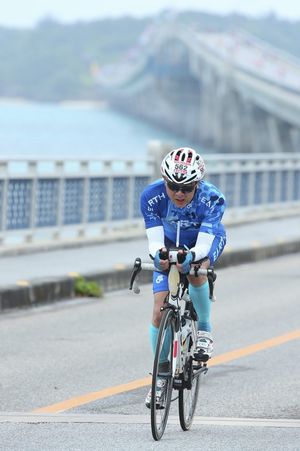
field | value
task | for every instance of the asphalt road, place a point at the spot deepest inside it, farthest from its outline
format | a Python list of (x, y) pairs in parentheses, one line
[(249, 402)]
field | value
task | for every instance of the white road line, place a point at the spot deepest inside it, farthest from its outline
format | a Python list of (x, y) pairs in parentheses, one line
[(30, 418)]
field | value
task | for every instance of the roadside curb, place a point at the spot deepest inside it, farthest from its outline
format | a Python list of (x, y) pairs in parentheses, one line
[(255, 254), (43, 291)]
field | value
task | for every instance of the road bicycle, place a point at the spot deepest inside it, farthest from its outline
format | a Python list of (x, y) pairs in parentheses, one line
[(176, 344)]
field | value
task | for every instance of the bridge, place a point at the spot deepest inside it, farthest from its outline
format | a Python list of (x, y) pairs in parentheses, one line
[(63, 205), (46, 202), (226, 91)]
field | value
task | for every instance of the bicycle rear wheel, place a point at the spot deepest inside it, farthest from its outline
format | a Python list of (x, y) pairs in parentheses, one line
[(162, 369), (188, 397)]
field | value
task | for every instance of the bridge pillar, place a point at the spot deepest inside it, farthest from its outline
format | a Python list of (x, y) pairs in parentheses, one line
[(275, 143), (218, 113), (230, 121), (158, 150), (235, 123), (246, 124), (295, 139), (206, 106)]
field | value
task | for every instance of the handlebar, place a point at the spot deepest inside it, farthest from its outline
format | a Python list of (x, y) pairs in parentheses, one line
[(195, 271)]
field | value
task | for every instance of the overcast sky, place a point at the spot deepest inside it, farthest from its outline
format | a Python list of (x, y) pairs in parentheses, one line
[(26, 13)]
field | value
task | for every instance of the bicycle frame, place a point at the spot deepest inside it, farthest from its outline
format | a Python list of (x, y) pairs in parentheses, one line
[(185, 337), (179, 316), (177, 300)]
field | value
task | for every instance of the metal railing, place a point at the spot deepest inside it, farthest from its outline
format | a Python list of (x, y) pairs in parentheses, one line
[(98, 198), (257, 181), (63, 199)]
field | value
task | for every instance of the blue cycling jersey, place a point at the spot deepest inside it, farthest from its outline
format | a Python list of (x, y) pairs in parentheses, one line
[(203, 214)]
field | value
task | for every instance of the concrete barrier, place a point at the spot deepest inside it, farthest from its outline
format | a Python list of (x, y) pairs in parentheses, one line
[(43, 291)]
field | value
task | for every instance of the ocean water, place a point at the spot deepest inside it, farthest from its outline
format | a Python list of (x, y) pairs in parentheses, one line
[(74, 130), (67, 131)]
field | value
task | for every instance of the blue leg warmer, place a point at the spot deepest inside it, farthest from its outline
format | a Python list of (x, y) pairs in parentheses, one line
[(153, 332), (202, 304)]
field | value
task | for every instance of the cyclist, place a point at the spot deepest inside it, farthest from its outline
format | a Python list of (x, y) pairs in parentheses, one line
[(183, 196)]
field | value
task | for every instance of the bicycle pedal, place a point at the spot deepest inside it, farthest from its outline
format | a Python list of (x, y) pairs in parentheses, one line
[(177, 384), (201, 357)]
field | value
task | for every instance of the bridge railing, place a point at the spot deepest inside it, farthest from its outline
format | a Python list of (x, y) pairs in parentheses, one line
[(66, 199), (43, 200)]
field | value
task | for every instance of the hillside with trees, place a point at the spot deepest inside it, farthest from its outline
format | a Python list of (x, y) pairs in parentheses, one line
[(53, 62)]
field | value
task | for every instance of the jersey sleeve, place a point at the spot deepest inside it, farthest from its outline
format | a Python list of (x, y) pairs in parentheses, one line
[(213, 214), (150, 211)]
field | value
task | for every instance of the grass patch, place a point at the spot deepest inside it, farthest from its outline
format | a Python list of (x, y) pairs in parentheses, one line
[(84, 287)]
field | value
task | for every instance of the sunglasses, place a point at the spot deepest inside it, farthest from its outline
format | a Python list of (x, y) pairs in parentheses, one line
[(175, 187)]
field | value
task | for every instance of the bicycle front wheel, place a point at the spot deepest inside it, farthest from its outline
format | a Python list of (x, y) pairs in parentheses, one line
[(162, 380), (188, 396)]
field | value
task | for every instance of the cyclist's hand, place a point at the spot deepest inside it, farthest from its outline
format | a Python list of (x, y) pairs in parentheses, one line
[(162, 264), (185, 266)]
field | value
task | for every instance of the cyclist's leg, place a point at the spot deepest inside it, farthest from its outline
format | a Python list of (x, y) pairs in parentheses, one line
[(199, 292), (162, 380), (154, 326), (160, 291), (199, 289)]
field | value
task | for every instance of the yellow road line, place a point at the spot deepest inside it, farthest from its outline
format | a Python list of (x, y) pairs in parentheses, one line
[(120, 266), (22, 283), (256, 243), (73, 274), (89, 397), (223, 358), (251, 349)]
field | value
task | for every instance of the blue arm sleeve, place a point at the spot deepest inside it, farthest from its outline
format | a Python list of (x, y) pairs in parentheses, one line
[(150, 211)]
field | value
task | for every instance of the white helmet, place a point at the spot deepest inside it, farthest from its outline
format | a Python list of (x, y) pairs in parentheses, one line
[(183, 165)]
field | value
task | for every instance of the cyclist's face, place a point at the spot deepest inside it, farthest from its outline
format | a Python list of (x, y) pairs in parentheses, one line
[(180, 195)]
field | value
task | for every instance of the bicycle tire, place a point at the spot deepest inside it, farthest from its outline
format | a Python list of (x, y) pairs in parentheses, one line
[(159, 416), (188, 398)]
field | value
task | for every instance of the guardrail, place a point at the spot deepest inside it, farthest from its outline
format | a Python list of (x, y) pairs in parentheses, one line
[(49, 200), (54, 200)]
